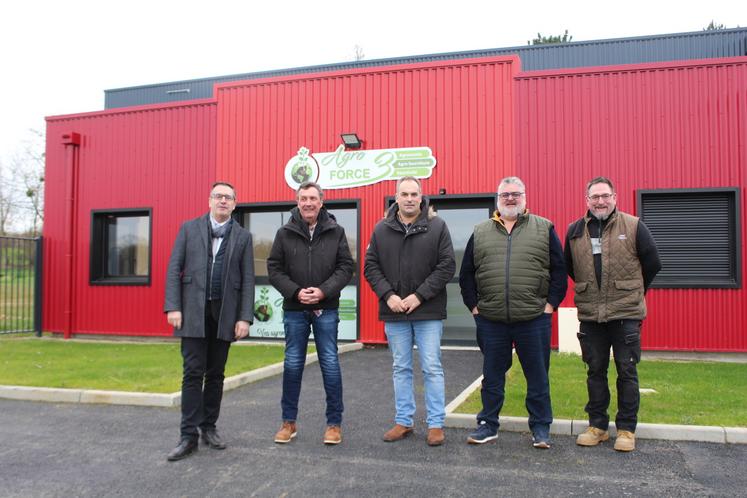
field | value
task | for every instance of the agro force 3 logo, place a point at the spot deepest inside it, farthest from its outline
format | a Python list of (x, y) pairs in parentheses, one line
[(344, 169)]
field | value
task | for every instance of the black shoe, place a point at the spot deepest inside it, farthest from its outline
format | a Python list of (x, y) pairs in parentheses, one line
[(185, 448), (211, 439)]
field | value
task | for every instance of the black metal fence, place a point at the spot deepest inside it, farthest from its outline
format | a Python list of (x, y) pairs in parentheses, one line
[(20, 284)]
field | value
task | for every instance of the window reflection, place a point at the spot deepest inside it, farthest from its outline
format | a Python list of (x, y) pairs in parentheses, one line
[(461, 223), (459, 326), (264, 225)]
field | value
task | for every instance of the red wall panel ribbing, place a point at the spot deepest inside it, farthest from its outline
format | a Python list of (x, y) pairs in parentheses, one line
[(161, 158), (661, 126), (462, 110)]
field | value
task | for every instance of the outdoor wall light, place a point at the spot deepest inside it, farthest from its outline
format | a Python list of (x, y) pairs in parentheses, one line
[(351, 141)]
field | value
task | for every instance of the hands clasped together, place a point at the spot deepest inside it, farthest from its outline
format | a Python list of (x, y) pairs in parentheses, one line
[(406, 305)]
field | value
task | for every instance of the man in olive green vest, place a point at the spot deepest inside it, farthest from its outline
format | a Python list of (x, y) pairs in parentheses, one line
[(512, 279), (612, 258)]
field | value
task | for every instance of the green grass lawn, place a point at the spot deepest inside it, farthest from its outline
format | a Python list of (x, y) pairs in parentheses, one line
[(689, 393), (28, 361)]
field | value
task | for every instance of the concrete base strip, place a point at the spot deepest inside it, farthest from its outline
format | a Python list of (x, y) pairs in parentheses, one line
[(703, 433), (462, 397), (60, 395)]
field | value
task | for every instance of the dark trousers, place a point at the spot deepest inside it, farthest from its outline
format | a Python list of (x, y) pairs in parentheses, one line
[(202, 381), (624, 337), (531, 339)]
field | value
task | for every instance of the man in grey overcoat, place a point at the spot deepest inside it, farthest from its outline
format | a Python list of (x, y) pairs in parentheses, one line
[(209, 302)]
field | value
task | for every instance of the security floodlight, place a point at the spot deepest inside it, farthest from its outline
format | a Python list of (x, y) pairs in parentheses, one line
[(351, 141)]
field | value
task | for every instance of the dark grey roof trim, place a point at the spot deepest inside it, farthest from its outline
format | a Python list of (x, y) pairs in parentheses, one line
[(640, 49)]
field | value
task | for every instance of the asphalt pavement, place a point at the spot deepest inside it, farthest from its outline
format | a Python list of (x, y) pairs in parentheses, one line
[(60, 449)]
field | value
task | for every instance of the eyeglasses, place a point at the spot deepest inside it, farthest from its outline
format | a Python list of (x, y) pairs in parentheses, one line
[(222, 197), (595, 197), (510, 195)]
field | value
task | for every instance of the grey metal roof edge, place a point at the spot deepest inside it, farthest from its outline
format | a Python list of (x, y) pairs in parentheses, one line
[(412, 58)]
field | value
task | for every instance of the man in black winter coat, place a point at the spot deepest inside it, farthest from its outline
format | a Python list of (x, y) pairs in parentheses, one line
[(409, 261), (309, 264)]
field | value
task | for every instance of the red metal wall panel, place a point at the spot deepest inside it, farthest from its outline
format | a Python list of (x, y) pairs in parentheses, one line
[(462, 110), (655, 126), (645, 126), (161, 158)]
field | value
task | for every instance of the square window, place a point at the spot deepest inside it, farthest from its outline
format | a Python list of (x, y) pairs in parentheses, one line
[(696, 233), (120, 247)]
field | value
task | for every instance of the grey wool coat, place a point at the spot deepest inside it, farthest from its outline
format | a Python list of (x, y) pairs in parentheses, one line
[(186, 279)]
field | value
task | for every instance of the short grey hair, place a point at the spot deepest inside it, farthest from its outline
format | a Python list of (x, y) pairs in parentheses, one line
[(511, 180), (408, 179), (308, 185)]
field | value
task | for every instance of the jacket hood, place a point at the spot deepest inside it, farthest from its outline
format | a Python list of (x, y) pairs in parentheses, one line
[(323, 218), (324, 221)]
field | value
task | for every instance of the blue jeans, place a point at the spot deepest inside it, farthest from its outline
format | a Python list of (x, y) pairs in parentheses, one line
[(532, 347), (427, 336), (298, 326)]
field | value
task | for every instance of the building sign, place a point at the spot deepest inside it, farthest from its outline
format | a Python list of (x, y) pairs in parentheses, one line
[(268, 314), (356, 168)]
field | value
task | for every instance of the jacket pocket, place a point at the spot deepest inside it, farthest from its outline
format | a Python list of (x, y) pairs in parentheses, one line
[(581, 287), (627, 284)]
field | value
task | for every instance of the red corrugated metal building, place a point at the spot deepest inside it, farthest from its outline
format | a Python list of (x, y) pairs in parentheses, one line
[(648, 127)]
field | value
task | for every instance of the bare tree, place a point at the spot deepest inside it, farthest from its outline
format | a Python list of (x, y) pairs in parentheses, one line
[(6, 201), (23, 186), (358, 54)]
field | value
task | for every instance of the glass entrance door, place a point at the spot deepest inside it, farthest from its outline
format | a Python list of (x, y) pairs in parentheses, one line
[(263, 222), (460, 215)]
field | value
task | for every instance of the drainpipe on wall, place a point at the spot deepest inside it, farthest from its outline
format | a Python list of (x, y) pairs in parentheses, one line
[(71, 141)]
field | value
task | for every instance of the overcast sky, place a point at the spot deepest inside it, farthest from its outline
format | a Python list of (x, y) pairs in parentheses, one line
[(59, 56)]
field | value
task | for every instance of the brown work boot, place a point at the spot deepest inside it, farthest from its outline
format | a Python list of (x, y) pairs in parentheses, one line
[(625, 441), (286, 433), (333, 435), (396, 433), (592, 437), (435, 436)]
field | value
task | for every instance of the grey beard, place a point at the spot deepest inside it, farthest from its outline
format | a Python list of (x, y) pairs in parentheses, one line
[(510, 212), (600, 217)]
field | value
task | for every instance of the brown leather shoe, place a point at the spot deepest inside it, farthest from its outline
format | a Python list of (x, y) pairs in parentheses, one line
[(333, 435), (396, 433), (436, 436), (286, 433)]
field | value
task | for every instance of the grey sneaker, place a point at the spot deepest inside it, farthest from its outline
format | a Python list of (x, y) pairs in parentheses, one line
[(541, 438)]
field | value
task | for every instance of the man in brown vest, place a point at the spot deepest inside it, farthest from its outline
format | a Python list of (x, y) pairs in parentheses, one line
[(612, 258)]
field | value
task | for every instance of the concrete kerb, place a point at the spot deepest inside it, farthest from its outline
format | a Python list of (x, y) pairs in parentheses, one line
[(670, 432), (60, 395)]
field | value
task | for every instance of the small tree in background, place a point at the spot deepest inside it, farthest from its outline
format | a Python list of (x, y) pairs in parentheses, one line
[(545, 40), (712, 26), (358, 54)]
